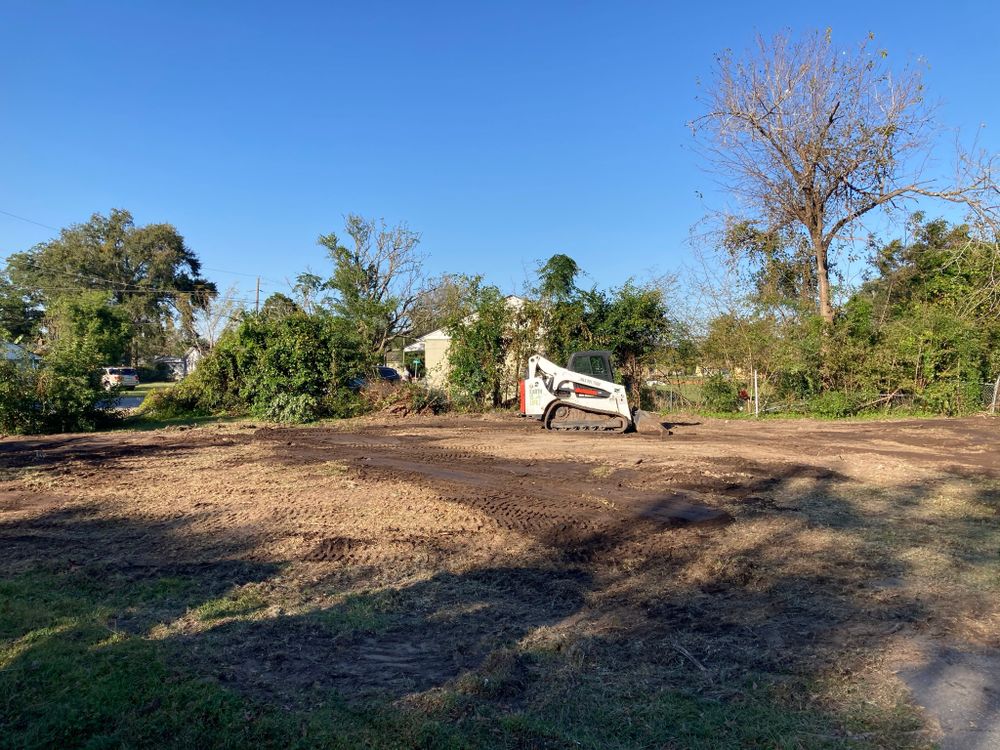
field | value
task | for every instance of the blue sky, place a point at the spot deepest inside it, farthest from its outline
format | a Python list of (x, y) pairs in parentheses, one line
[(504, 132)]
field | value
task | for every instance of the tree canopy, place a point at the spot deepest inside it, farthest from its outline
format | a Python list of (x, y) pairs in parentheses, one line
[(376, 282), (148, 272)]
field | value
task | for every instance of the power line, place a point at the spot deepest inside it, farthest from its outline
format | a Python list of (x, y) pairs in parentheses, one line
[(249, 275), (117, 286), (164, 292), (30, 221), (122, 286), (207, 268)]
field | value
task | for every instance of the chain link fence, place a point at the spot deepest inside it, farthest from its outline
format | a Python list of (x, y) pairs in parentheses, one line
[(729, 392)]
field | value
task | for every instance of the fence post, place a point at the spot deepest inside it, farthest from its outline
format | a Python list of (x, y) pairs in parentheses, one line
[(996, 393), (756, 395)]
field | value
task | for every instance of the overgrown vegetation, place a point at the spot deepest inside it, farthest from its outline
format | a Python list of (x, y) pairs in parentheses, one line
[(63, 392), (924, 328), (284, 367)]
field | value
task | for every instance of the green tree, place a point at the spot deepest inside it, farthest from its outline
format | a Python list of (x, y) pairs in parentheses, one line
[(564, 308), (149, 272), (479, 366), (632, 323), (20, 317), (90, 324), (557, 278), (279, 305), (306, 290), (776, 264), (376, 282)]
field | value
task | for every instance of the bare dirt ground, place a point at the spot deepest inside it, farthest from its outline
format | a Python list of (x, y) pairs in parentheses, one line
[(854, 563)]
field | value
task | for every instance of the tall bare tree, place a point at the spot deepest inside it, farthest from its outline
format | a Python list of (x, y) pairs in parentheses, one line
[(812, 138), (446, 298), (377, 281), (215, 317)]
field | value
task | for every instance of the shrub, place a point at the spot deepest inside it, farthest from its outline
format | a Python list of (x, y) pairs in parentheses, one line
[(288, 368), (478, 354), (171, 403), (833, 405), (720, 394), (952, 398), (292, 407), (425, 399), (795, 384), (18, 398), (62, 395)]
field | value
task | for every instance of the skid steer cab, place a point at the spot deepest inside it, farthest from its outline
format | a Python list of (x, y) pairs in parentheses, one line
[(580, 396)]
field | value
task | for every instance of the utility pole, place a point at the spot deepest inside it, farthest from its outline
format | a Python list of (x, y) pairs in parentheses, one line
[(256, 304), (756, 395)]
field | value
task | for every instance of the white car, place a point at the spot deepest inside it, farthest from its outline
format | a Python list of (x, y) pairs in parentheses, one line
[(123, 377)]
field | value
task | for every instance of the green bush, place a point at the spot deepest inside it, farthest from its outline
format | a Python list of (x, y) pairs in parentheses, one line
[(796, 384), (292, 407), (18, 398), (288, 368), (478, 354), (952, 398), (171, 403), (833, 405), (719, 394), (61, 395)]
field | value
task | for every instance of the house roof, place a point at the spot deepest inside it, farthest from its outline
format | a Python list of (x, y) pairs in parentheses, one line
[(13, 352)]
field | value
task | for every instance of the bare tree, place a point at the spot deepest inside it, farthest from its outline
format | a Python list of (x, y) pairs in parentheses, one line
[(306, 291), (445, 299), (377, 281), (212, 320), (811, 138)]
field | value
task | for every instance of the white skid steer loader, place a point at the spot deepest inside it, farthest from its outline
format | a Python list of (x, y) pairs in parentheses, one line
[(580, 396)]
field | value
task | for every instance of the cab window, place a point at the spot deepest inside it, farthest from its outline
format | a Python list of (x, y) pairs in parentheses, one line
[(591, 364)]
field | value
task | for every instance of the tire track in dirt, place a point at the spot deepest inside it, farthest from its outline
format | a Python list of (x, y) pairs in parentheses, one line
[(560, 504)]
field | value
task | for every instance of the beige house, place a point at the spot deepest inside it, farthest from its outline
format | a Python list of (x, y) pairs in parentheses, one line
[(435, 346)]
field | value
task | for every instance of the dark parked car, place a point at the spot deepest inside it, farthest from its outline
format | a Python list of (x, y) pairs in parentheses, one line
[(387, 374)]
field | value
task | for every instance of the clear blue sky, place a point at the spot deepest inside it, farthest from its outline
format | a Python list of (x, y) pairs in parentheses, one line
[(504, 132)]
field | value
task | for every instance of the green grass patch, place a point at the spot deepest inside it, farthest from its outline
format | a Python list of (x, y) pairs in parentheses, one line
[(361, 613), (72, 675), (240, 603), (69, 678), (145, 388)]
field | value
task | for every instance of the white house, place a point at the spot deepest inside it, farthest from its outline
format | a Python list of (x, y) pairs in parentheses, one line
[(435, 346), (179, 367)]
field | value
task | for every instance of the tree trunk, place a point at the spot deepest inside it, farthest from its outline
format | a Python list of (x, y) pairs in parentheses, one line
[(823, 280)]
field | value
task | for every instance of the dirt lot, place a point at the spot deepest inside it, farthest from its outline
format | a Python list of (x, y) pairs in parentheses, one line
[(778, 584)]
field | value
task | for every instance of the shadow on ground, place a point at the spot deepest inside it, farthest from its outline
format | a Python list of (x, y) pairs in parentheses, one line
[(638, 628)]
